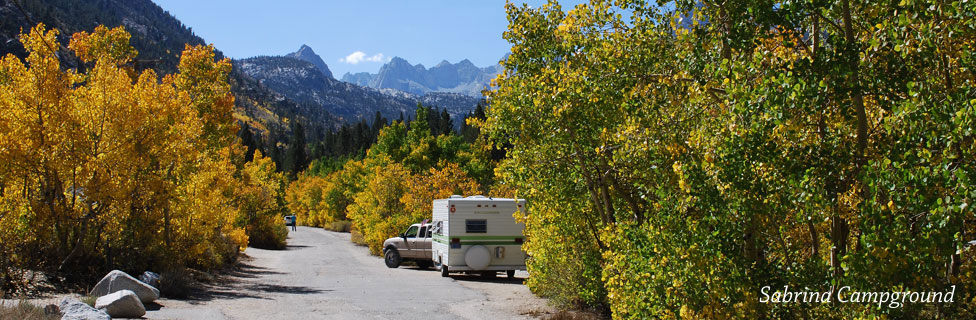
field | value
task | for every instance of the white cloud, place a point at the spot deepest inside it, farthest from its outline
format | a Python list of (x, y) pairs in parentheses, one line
[(359, 56)]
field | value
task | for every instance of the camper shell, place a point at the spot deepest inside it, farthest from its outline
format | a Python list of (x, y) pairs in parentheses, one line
[(477, 234)]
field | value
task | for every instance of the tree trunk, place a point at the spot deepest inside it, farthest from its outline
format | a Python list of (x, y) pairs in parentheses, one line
[(839, 227), (814, 240)]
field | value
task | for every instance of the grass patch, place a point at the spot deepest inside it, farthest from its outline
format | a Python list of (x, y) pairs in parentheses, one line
[(89, 300), (27, 311), (357, 237)]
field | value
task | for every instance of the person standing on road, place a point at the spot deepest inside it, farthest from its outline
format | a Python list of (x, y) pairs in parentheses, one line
[(291, 220)]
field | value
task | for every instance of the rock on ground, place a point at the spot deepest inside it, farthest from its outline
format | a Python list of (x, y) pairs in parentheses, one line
[(150, 278), (74, 309), (121, 304), (118, 280)]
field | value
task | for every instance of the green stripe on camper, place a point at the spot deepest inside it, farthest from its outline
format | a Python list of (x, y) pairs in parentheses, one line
[(484, 243), (512, 238)]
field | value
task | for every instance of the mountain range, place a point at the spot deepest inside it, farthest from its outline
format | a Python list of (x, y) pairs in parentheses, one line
[(303, 82), (271, 93), (462, 77)]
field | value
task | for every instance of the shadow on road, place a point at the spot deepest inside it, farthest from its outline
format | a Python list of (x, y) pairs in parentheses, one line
[(273, 288), (240, 289), (242, 281), (291, 247), (480, 278), (244, 270), (210, 293), (152, 306), (499, 278)]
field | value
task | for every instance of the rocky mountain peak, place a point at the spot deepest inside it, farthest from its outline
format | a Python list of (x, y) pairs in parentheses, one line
[(443, 63), (305, 53)]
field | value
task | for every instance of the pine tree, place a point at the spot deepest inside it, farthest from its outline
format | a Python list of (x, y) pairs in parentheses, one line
[(446, 124), (297, 156), (248, 141)]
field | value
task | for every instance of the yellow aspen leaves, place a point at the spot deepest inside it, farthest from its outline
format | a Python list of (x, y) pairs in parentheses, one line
[(108, 45), (109, 169)]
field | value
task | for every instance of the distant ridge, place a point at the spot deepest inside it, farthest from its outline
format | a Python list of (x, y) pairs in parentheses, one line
[(462, 77), (301, 81)]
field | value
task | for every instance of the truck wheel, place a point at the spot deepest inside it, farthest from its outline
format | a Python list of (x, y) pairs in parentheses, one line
[(392, 258), (511, 274), (444, 272), (423, 265)]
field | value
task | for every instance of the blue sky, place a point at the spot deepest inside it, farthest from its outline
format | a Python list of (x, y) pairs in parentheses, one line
[(354, 35)]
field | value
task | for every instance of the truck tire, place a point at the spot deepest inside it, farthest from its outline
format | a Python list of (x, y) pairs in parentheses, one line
[(392, 258), (511, 274), (444, 272)]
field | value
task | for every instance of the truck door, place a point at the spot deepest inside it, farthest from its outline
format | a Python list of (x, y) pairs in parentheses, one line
[(416, 243), (410, 243)]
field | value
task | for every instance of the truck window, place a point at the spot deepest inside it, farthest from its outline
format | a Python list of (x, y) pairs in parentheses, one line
[(423, 231), (476, 226), (411, 232)]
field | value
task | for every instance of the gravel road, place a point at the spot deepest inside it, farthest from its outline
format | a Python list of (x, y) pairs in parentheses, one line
[(323, 275)]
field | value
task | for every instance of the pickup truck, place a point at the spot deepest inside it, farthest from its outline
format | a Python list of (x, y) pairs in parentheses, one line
[(411, 245)]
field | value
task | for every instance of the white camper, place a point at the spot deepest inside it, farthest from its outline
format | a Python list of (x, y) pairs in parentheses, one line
[(477, 234)]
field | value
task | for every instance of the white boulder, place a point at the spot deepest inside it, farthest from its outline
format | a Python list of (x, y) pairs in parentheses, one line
[(118, 280), (121, 304), (74, 309)]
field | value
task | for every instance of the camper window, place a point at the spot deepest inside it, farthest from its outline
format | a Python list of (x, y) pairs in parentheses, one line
[(438, 228), (476, 226)]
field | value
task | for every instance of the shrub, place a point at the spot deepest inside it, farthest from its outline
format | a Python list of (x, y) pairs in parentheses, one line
[(175, 283), (356, 237), (26, 311), (266, 232), (340, 226)]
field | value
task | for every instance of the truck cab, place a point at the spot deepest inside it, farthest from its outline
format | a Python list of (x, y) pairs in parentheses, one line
[(412, 245)]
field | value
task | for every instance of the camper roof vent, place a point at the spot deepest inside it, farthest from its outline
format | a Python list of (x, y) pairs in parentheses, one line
[(456, 196), (477, 197)]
